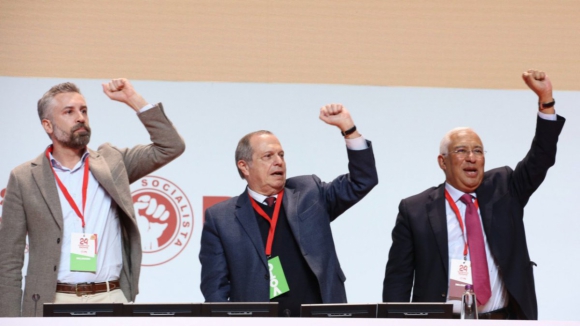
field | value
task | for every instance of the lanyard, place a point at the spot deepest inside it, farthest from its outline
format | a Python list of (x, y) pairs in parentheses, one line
[(65, 191), (458, 215), (272, 220)]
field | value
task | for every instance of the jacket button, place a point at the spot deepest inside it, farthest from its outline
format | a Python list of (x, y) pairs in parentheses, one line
[(443, 295), (58, 240), (266, 276)]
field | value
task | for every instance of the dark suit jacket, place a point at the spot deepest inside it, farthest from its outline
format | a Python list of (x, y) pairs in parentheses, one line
[(419, 252), (234, 265), (32, 206)]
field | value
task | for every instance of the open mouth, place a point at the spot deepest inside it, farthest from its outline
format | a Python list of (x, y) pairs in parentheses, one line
[(470, 172), (278, 173)]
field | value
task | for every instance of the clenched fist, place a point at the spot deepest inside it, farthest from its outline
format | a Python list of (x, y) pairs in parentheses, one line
[(338, 115), (150, 231), (539, 82), (121, 90)]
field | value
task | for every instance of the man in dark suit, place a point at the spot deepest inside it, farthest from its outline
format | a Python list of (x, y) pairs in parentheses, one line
[(46, 197), (431, 247), (243, 237)]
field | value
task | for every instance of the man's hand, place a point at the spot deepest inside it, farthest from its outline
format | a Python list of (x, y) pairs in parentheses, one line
[(539, 82), (338, 115), (121, 90)]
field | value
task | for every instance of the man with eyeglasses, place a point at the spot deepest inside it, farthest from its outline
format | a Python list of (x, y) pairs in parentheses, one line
[(470, 229)]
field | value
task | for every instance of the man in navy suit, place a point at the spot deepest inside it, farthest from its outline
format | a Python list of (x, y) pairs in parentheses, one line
[(434, 241), (244, 236)]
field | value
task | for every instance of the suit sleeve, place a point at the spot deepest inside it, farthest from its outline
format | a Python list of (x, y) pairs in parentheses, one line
[(215, 284), (400, 266), (532, 170), (348, 189), (166, 145), (12, 245)]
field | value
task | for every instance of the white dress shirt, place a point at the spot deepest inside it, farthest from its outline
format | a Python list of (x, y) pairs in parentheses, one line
[(101, 218)]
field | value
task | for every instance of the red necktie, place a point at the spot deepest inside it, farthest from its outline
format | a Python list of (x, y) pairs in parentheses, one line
[(476, 251), (270, 201)]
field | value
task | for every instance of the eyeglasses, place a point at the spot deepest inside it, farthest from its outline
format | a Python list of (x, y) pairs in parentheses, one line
[(462, 152)]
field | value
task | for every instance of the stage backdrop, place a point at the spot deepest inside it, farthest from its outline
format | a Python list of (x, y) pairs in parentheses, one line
[(404, 123)]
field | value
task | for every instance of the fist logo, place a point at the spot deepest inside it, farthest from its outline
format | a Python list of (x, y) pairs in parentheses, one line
[(164, 217), (152, 219)]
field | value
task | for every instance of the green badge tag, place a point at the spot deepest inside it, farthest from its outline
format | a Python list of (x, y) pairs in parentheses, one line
[(278, 283), (83, 253)]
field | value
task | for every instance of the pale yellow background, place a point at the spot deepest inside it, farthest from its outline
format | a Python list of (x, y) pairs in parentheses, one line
[(468, 44)]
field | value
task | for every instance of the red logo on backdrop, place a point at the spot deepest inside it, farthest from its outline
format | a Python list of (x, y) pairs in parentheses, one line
[(209, 201), (165, 219)]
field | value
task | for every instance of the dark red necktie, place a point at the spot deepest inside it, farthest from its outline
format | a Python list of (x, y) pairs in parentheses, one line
[(270, 201), (476, 244)]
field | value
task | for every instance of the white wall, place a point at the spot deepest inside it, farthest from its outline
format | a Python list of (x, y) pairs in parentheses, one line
[(405, 125)]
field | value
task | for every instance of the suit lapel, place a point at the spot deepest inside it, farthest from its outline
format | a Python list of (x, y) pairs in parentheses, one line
[(290, 205), (486, 201), (247, 218), (102, 173), (44, 178), (438, 220)]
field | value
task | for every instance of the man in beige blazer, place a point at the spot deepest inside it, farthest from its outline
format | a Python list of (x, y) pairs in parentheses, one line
[(36, 204)]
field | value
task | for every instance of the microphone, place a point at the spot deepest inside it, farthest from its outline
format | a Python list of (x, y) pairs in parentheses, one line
[(35, 297), (286, 312)]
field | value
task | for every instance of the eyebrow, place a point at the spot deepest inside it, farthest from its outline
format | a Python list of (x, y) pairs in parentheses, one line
[(72, 107), (460, 146)]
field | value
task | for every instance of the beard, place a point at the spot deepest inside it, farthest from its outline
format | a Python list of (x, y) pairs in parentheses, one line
[(74, 140)]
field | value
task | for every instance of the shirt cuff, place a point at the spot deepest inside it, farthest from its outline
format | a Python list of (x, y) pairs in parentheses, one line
[(356, 144), (547, 116), (149, 106)]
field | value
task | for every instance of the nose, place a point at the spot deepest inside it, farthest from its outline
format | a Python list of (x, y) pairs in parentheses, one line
[(279, 160), (80, 117), (470, 156)]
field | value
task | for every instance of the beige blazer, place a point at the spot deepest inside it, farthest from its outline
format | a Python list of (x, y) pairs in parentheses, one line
[(32, 206)]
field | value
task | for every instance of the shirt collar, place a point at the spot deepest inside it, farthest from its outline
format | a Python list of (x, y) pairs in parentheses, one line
[(456, 194), (259, 197), (56, 164)]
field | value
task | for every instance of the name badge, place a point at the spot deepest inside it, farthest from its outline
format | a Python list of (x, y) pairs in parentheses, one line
[(278, 283), (459, 276), (83, 252)]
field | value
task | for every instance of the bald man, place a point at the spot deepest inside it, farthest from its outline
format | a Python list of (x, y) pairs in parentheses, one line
[(470, 230)]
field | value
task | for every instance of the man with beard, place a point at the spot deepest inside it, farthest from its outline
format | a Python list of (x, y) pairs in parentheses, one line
[(75, 205)]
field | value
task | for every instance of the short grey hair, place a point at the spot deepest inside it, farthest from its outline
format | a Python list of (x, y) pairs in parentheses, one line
[(244, 151), (444, 145), (46, 99)]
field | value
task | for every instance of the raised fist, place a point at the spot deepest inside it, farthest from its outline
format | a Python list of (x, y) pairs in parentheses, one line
[(120, 89), (337, 115), (539, 82), (152, 211)]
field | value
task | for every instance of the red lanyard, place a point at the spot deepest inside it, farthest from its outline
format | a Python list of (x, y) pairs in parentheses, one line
[(272, 220), (65, 192), (458, 215)]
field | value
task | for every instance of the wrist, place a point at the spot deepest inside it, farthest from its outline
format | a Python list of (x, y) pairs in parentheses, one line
[(347, 131), (546, 103), (137, 102), (354, 135)]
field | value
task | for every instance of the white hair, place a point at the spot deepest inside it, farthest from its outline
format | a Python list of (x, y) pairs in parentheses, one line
[(444, 145)]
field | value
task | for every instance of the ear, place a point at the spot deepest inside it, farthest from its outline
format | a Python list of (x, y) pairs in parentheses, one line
[(244, 167), (47, 125), (441, 161)]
